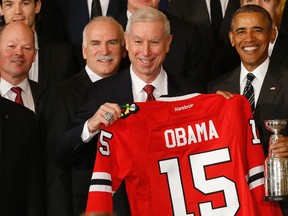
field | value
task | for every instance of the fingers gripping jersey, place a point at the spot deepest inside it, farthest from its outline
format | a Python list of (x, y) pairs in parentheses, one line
[(190, 157)]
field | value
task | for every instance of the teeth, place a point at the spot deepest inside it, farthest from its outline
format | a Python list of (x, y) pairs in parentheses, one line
[(250, 48), (145, 61)]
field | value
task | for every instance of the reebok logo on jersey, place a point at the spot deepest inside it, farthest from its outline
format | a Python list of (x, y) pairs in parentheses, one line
[(184, 107)]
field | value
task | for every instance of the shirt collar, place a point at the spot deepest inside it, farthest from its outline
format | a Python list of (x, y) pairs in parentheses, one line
[(259, 72), (6, 86), (93, 76), (160, 83)]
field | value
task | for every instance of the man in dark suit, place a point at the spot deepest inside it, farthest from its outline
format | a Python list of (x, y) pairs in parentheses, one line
[(251, 34), (55, 61), (20, 170), (103, 49), (65, 20), (147, 41), (198, 12), (278, 51), (17, 53), (188, 57)]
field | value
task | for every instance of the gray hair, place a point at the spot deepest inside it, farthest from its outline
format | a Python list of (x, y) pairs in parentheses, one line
[(104, 19), (250, 9), (148, 14)]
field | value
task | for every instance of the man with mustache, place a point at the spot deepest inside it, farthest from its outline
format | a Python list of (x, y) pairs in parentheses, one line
[(102, 48)]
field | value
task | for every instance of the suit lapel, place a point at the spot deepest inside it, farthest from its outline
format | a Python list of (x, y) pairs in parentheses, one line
[(270, 88), (124, 84), (233, 82)]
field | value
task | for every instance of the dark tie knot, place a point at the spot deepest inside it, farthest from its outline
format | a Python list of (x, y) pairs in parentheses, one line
[(250, 77)]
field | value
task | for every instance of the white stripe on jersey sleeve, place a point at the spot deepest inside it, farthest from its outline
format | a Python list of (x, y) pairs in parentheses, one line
[(255, 177)]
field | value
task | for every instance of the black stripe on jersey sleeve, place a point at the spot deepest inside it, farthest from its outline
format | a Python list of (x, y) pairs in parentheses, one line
[(101, 182), (256, 177)]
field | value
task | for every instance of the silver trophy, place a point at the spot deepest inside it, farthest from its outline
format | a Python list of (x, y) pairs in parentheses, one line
[(275, 168)]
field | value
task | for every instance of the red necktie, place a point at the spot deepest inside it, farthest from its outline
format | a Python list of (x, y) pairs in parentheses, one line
[(149, 90), (18, 98)]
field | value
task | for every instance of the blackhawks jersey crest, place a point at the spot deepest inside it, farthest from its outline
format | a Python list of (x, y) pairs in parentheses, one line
[(128, 109)]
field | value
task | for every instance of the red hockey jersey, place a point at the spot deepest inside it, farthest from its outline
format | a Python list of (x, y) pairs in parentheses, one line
[(190, 156)]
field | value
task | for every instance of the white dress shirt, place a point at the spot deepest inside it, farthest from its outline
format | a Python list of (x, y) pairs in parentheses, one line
[(26, 94), (259, 73), (34, 70), (93, 76)]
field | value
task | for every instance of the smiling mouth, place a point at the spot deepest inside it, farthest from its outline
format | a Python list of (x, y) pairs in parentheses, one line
[(250, 48)]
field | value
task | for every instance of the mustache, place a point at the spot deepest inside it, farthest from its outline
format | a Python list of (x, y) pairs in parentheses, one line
[(105, 57)]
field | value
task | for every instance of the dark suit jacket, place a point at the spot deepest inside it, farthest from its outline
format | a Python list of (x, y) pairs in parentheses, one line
[(20, 170), (65, 20), (66, 188), (280, 52), (224, 57), (37, 92), (115, 89), (188, 56), (57, 61)]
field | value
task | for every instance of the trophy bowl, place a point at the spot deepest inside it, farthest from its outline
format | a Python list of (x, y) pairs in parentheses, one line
[(275, 125), (275, 168)]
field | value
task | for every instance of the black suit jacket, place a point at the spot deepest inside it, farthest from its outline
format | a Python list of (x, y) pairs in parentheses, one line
[(280, 52), (20, 170), (115, 89), (66, 188), (37, 92), (224, 57), (188, 56), (57, 61)]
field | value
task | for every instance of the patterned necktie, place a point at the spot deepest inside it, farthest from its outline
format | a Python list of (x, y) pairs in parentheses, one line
[(216, 17), (18, 98), (249, 91), (149, 90), (96, 9)]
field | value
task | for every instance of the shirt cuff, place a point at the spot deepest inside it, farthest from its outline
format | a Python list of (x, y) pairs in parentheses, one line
[(86, 136)]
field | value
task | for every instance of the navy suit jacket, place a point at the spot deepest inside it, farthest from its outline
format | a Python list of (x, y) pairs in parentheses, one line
[(116, 89), (65, 20)]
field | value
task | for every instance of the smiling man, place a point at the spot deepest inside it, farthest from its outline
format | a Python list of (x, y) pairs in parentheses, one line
[(147, 40), (251, 32)]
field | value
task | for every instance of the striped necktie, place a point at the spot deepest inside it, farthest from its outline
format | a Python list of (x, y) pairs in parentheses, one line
[(18, 98), (249, 91)]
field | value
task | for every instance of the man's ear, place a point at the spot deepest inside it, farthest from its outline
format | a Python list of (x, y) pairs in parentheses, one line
[(38, 6), (231, 39)]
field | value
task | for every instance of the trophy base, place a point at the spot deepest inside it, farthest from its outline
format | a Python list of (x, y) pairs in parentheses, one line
[(275, 198)]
